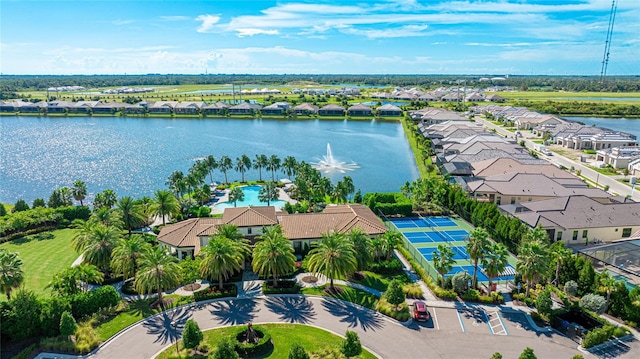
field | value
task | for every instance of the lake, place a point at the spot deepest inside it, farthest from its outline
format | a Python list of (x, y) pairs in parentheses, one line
[(134, 156), (631, 126)]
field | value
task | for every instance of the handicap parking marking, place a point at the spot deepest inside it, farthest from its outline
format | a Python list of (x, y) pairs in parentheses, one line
[(496, 325), (472, 320)]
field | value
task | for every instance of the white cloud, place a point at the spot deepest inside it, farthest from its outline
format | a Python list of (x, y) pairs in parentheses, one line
[(122, 22), (208, 21), (404, 31), (252, 32)]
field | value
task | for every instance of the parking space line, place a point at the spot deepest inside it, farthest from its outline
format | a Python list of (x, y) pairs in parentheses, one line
[(486, 317), (435, 319), (460, 320), (506, 332)]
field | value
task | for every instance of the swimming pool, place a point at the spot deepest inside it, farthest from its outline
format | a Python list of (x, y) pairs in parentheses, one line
[(250, 199)]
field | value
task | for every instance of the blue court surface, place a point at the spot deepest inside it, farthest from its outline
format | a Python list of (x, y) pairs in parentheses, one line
[(426, 222), (439, 236), (459, 253)]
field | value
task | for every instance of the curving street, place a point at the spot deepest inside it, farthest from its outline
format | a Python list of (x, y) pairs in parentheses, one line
[(443, 337)]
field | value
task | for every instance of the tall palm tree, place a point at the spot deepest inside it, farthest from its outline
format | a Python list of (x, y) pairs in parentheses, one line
[(241, 165), (533, 261), (131, 213), (221, 258), (349, 188), (607, 284), (290, 165), (83, 233), (273, 166), (260, 162), (332, 256), (268, 193), (559, 255), (165, 204), (176, 182), (87, 273), (477, 245), (126, 254), (107, 217), (230, 231), (362, 246), (158, 271), (273, 255), (443, 260), (79, 191), (536, 234), (390, 239), (236, 195), (11, 274), (105, 199), (211, 164), (99, 245), (494, 261), (224, 165), (75, 279)]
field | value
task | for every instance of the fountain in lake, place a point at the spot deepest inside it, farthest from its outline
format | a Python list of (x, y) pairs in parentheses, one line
[(329, 164)]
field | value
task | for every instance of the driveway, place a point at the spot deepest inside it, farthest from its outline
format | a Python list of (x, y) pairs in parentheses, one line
[(386, 337)]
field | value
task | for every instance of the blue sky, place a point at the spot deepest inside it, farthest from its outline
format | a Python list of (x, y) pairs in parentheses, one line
[(517, 37)]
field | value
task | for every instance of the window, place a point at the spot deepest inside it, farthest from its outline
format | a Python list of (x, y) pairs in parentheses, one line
[(575, 235), (513, 200), (249, 230), (626, 232), (559, 236), (498, 200), (584, 233)]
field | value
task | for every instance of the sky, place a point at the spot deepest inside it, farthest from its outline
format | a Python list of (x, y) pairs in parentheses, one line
[(496, 37)]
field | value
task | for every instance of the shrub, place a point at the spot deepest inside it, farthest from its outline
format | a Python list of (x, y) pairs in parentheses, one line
[(86, 338), (297, 352), (21, 205), (593, 302), (620, 332), (527, 353), (460, 282), (192, 335), (21, 316), (52, 309), (401, 313), (577, 356), (68, 324), (544, 303), (598, 336), (250, 349), (571, 288), (351, 345), (496, 355), (394, 294), (87, 303), (225, 350), (412, 290), (74, 212), (26, 352), (471, 295), (212, 292), (285, 286), (392, 266)]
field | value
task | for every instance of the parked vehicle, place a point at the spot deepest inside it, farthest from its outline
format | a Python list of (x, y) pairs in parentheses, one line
[(420, 311)]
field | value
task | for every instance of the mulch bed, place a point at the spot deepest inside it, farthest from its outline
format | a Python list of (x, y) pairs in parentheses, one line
[(357, 276), (310, 279), (166, 302), (334, 290), (192, 286)]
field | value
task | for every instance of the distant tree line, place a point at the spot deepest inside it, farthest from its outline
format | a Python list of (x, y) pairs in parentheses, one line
[(582, 108), (12, 84)]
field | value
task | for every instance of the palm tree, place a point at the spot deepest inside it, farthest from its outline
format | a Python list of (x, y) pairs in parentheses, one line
[(177, 183), (236, 195), (349, 188), (87, 273), (494, 261), (126, 254), (273, 255), (259, 163), (230, 231), (559, 255), (221, 258), (211, 164), (79, 191), (107, 217), (105, 199), (225, 165), (332, 256), (390, 239), (243, 163), (536, 234), (443, 260), (477, 244), (131, 213), (290, 164), (83, 233), (11, 274), (73, 279), (99, 245), (607, 284), (273, 166), (362, 246), (268, 193), (157, 271), (165, 204), (533, 261)]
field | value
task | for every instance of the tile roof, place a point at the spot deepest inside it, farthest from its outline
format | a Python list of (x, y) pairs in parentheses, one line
[(497, 166), (535, 185), (185, 233), (250, 216)]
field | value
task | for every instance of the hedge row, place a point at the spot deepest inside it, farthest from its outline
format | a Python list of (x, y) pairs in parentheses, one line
[(284, 287), (389, 203), (86, 303), (247, 350), (21, 223), (212, 292), (392, 266)]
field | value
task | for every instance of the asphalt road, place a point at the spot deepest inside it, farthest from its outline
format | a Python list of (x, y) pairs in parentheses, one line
[(614, 186), (385, 337)]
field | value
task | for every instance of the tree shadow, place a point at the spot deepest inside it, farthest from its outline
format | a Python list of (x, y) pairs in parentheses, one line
[(234, 312), (292, 309), (167, 326), (141, 307), (519, 320), (252, 289), (352, 315)]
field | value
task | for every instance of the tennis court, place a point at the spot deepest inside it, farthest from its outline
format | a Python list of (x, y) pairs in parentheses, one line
[(436, 236), (423, 222), (459, 253)]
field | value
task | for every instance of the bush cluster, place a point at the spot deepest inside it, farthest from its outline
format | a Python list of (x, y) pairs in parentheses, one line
[(392, 266), (402, 313), (284, 287), (598, 336), (250, 350), (212, 292), (87, 303), (38, 219), (413, 290), (389, 203)]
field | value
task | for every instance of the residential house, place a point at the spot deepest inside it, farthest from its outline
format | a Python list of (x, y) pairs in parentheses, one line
[(495, 98), (218, 108), (532, 119), (189, 108), (244, 108), (85, 107), (331, 110), (360, 110), (474, 97), (162, 107), (389, 110), (618, 157), (500, 166), (59, 107), (580, 219), (431, 115), (108, 108), (305, 109), (38, 107), (276, 108)]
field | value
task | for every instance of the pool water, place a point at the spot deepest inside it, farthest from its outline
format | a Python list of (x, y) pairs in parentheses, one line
[(250, 199)]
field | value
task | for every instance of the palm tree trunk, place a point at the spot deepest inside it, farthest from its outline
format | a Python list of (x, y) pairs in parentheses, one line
[(558, 274), (159, 290), (490, 285), (475, 273), (331, 283), (275, 279), (220, 284)]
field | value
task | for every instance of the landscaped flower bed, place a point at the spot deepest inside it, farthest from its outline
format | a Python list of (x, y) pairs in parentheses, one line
[(213, 292)]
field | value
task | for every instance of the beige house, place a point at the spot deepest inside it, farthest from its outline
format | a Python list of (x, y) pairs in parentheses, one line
[(580, 219), (185, 239), (499, 166)]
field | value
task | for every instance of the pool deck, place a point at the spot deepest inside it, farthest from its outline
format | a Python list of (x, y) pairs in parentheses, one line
[(282, 195)]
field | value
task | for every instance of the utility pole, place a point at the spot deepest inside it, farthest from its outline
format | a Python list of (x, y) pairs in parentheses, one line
[(607, 43)]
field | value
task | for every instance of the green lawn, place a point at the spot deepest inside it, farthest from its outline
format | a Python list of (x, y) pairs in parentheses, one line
[(43, 255), (349, 294), (283, 335), (381, 281)]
